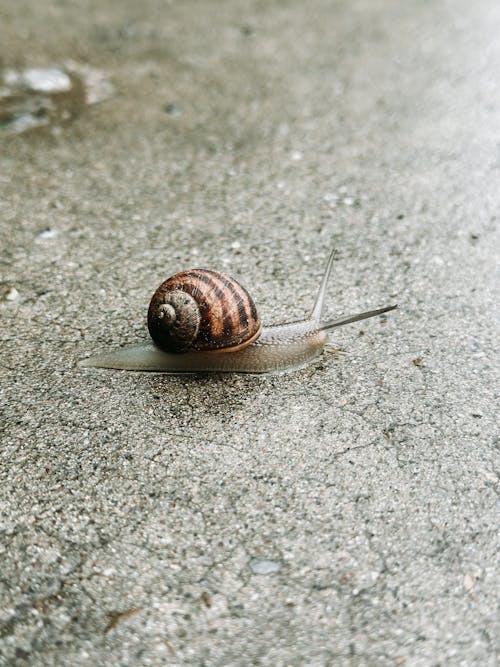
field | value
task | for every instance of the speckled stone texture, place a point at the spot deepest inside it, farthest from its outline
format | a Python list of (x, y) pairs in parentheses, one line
[(342, 515)]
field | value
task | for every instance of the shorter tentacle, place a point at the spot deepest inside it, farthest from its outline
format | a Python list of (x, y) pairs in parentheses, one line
[(320, 299)]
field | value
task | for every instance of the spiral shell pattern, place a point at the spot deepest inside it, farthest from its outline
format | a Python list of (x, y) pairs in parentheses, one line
[(202, 310)]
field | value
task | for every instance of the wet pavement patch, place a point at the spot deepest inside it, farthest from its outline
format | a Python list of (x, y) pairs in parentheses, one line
[(37, 97)]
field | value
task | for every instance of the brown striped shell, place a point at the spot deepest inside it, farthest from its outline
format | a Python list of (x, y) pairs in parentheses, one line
[(202, 310)]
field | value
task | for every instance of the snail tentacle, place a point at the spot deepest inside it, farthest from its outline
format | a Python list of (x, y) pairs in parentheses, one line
[(320, 298), (348, 319)]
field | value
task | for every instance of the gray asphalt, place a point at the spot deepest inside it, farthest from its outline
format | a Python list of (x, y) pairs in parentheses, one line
[(344, 514)]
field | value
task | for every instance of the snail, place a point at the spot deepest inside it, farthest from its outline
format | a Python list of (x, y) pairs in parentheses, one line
[(204, 321)]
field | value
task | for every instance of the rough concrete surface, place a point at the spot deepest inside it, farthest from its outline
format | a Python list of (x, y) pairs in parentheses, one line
[(344, 514)]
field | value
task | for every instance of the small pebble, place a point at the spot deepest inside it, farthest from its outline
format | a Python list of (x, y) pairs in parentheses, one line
[(172, 109), (12, 294), (468, 582), (264, 566), (47, 234)]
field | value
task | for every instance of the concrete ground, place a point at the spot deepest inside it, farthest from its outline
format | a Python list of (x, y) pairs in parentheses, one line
[(345, 514)]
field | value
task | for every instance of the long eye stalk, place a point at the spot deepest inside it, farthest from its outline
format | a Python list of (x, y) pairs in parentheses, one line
[(347, 319)]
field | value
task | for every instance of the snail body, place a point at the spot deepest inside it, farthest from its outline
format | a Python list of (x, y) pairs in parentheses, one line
[(227, 339)]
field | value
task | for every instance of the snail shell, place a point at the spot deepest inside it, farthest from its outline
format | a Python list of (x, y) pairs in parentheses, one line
[(202, 310)]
